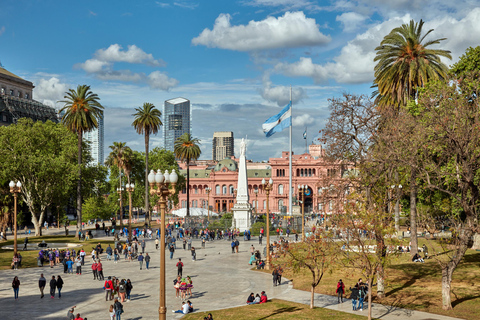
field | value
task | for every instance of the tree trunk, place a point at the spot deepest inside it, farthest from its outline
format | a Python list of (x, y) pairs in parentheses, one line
[(476, 241), (312, 297), (413, 213), (446, 286), (4, 230), (380, 283), (79, 185), (148, 218), (370, 280)]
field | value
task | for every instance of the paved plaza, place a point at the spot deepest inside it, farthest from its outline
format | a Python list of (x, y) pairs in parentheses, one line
[(221, 280)]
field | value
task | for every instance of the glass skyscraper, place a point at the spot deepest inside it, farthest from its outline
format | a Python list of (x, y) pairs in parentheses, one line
[(95, 137), (176, 121)]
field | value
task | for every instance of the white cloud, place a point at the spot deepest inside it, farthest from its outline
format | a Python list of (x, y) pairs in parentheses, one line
[(101, 66), (302, 120), (186, 4), (49, 91), (281, 94), (162, 4), (291, 30), (351, 21)]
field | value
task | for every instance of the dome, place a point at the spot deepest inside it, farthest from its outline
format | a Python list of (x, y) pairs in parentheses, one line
[(226, 163)]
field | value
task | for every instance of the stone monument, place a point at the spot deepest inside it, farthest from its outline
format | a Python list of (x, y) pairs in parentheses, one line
[(242, 210)]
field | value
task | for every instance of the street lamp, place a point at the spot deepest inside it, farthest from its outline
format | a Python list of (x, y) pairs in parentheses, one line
[(15, 188), (397, 207), (120, 193), (256, 200), (162, 185), (207, 190), (268, 187), (129, 188), (302, 189)]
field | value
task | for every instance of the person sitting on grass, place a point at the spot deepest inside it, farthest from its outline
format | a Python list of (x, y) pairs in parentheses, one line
[(263, 298), (417, 258), (185, 308), (251, 298), (256, 300)]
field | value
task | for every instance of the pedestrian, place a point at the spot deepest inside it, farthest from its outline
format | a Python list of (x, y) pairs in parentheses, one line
[(94, 270), (140, 260), (59, 286), (53, 287), (25, 243), (147, 260), (172, 251), (260, 237), (233, 246), (129, 288), (118, 307), (194, 254), (79, 265), (156, 243), (111, 312), (41, 284), (100, 270), (340, 290), (189, 243), (184, 244), (70, 315), (122, 290), (354, 296), (179, 267), (275, 277), (108, 287), (237, 243), (82, 256), (362, 293), (143, 246), (77, 317), (15, 261), (16, 287), (252, 249), (279, 276), (296, 237)]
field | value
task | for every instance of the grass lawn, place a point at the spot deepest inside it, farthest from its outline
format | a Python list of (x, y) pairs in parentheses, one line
[(413, 285), (30, 256), (275, 309)]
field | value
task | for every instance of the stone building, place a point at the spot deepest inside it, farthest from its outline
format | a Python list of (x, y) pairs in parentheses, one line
[(16, 101)]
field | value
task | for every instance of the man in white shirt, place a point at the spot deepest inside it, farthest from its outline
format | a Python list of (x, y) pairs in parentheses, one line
[(184, 310)]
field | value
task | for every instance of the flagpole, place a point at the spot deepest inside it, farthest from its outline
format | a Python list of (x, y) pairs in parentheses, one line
[(306, 146), (290, 160)]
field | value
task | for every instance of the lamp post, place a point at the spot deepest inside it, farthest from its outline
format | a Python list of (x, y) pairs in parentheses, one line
[(15, 188), (162, 185), (120, 194), (268, 187), (256, 200), (301, 190), (397, 206), (207, 190), (129, 188)]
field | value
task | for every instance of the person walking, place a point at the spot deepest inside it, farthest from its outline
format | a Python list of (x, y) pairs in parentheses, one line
[(122, 290), (94, 270), (42, 282), (275, 277), (172, 251), (53, 287), (59, 286), (82, 256), (362, 293), (79, 265), (143, 246), (179, 267), (129, 287), (16, 287), (233, 246), (140, 260), (279, 276), (100, 270), (108, 287), (118, 307), (237, 243), (156, 243), (340, 290), (354, 296), (25, 243), (147, 260)]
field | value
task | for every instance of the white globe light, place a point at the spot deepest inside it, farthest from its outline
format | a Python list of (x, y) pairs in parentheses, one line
[(151, 176), (11, 184), (173, 177), (159, 177)]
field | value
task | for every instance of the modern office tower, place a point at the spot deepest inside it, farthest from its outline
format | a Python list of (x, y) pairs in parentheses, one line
[(176, 121), (16, 101), (96, 142), (222, 145)]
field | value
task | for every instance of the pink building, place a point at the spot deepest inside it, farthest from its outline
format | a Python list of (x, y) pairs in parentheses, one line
[(221, 177)]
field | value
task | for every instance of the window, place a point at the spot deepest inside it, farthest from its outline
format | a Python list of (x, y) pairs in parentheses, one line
[(309, 172), (280, 189), (4, 118), (217, 189), (264, 204), (224, 189), (12, 93), (196, 189), (27, 96), (280, 204), (231, 189)]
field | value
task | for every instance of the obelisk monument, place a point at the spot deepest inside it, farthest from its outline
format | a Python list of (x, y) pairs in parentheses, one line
[(242, 210)]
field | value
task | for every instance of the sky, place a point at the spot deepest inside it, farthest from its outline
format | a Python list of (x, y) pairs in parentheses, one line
[(234, 60)]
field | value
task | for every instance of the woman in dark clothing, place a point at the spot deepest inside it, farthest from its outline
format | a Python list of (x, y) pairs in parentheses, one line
[(59, 286), (53, 287), (16, 287), (129, 288)]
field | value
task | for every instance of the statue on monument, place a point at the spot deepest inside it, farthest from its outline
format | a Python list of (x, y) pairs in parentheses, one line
[(242, 147)]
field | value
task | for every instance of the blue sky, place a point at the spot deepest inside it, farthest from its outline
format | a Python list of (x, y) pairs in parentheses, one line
[(234, 60)]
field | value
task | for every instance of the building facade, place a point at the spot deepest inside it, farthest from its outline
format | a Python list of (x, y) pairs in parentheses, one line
[(222, 145), (96, 138), (176, 121), (16, 101), (309, 169)]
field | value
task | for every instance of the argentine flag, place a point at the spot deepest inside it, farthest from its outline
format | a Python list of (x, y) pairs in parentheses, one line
[(278, 122)]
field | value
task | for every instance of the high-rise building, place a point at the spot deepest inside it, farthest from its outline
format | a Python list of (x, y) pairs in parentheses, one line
[(95, 137), (222, 145), (176, 121)]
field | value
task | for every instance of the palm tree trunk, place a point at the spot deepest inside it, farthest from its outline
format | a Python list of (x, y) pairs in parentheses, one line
[(79, 184), (147, 204), (188, 191)]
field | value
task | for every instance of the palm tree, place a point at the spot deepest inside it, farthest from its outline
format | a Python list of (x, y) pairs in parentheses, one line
[(186, 149), (82, 112), (147, 121), (406, 63)]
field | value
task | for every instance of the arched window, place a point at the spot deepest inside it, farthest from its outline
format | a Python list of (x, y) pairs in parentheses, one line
[(313, 172), (309, 172), (217, 189), (195, 189), (224, 189), (264, 204), (231, 189), (280, 189), (280, 204), (298, 172)]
